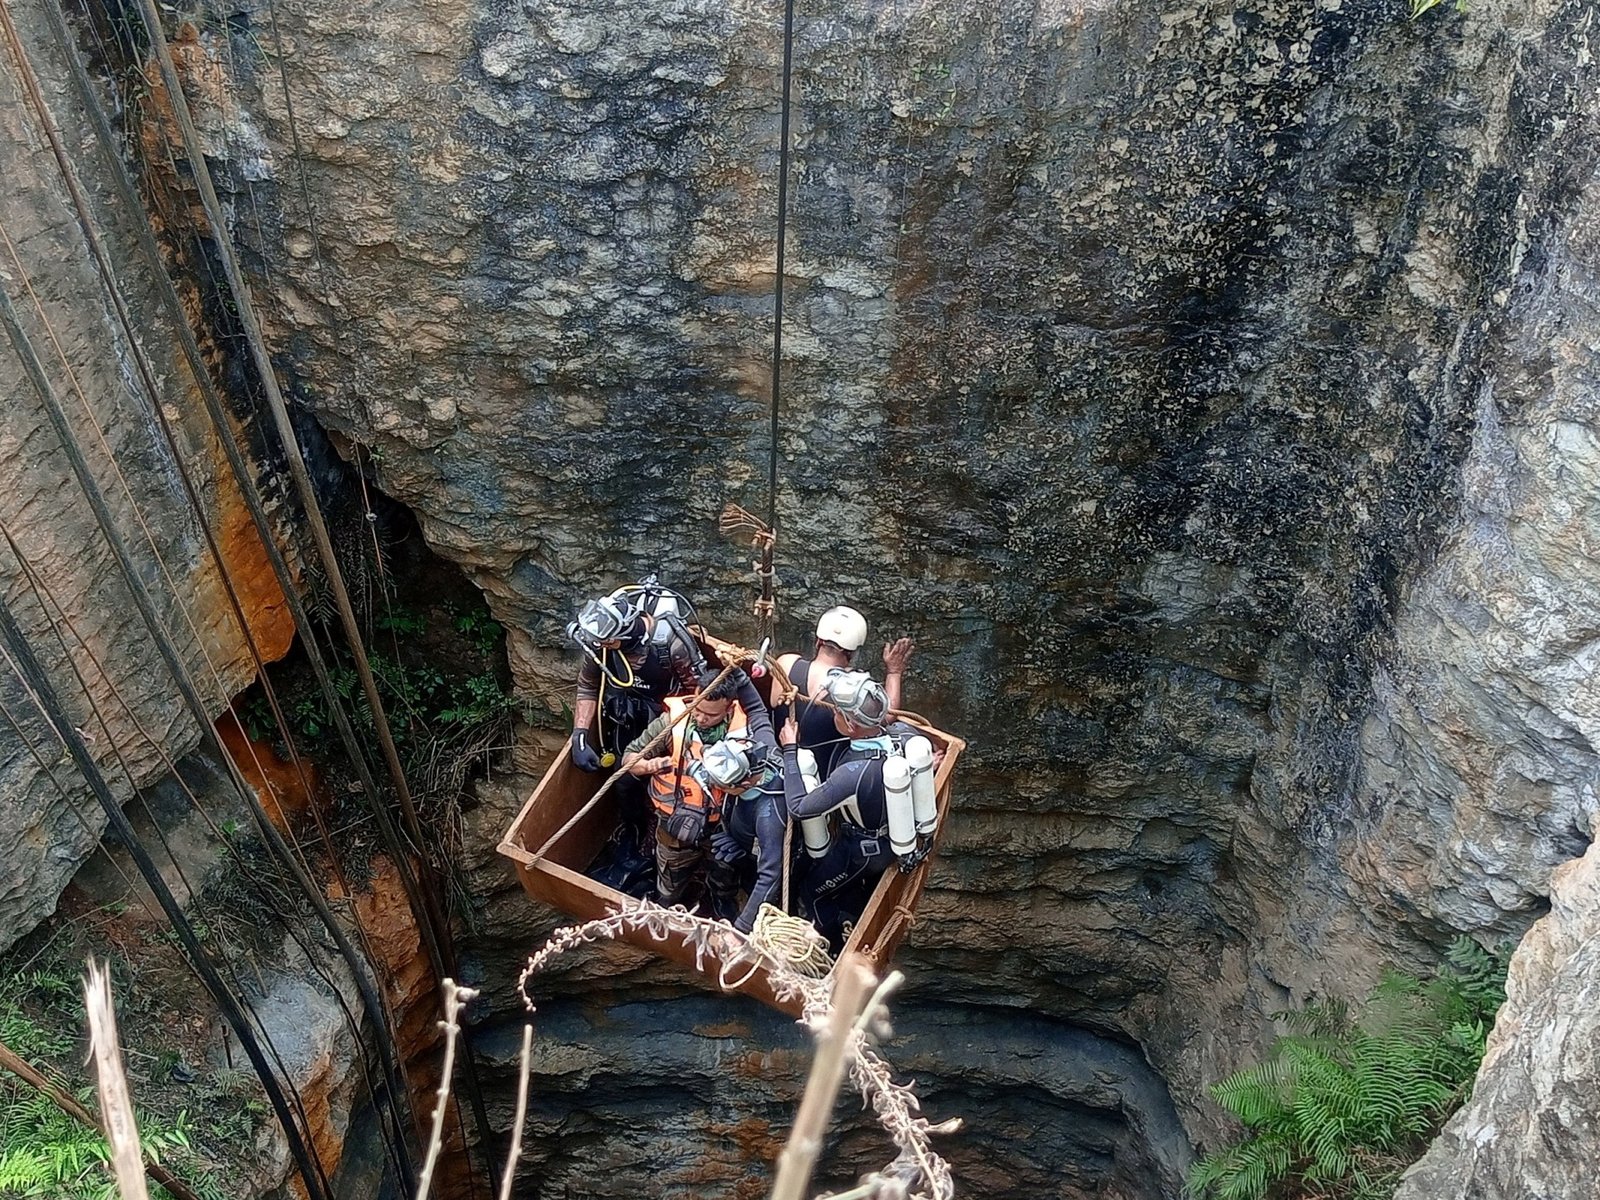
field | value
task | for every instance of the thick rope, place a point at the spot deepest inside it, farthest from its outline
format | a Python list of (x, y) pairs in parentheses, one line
[(309, 1167), (368, 992), (792, 941), (438, 939)]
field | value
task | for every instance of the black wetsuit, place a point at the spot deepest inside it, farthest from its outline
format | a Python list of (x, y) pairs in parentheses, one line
[(837, 885), (817, 731), (658, 671)]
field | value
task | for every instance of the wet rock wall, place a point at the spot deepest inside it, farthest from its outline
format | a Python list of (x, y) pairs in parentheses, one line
[(1136, 355), (1206, 388), (78, 613)]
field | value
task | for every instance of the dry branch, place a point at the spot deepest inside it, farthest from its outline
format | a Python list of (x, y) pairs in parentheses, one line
[(9, 1061), (852, 982), (917, 1172), (121, 1130), (455, 999)]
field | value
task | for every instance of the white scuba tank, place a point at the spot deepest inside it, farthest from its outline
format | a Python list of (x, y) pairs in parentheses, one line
[(814, 831), (897, 799), (919, 757)]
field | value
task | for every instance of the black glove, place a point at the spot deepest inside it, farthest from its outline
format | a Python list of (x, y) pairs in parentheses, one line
[(686, 825), (583, 755), (724, 847)]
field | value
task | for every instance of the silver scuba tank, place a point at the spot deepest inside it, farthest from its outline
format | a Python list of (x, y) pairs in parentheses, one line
[(924, 803), (814, 831), (897, 799)]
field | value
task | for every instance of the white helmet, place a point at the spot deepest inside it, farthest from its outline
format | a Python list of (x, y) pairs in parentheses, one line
[(858, 697), (729, 762), (844, 627)]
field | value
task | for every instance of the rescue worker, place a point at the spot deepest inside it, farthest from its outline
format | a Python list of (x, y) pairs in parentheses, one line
[(841, 632), (632, 660), (838, 884), (687, 804), (754, 820), (637, 651)]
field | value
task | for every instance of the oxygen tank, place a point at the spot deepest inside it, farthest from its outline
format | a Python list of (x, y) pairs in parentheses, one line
[(919, 757), (814, 831), (897, 799), (660, 601)]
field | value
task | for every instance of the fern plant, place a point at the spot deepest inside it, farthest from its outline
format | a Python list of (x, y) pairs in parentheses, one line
[(1341, 1105)]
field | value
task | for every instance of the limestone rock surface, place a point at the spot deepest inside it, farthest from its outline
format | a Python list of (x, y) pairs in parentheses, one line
[(1206, 386), (1203, 385), (1533, 1122)]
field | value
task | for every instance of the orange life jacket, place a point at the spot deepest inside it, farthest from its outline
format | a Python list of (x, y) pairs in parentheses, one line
[(677, 786)]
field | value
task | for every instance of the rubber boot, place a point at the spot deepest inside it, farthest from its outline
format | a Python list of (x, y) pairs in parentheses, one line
[(722, 890)]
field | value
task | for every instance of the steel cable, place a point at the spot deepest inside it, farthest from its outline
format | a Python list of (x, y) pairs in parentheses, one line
[(50, 706), (438, 940), (122, 181)]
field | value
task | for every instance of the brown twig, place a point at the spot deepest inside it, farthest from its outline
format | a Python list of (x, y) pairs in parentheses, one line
[(19, 1067), (852, 984), (918, 1172), (121, 1130)]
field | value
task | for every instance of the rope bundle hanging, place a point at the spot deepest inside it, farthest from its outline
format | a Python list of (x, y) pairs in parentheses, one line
[(740, 523)]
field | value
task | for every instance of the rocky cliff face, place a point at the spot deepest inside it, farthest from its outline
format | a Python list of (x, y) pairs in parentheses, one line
[(1530, 1126), (120, 696), (1204, 385)]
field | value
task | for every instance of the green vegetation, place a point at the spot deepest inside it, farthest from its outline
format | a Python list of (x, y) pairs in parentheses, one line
[(1418, 7), (46, 1153), (1343, 1105), (479, 628)]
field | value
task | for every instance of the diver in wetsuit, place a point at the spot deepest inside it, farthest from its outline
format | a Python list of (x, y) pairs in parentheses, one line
[(838, 883), (755, 817), (638, 651)]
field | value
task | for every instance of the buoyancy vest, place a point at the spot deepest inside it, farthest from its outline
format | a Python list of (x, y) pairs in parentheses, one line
[(682, 785)]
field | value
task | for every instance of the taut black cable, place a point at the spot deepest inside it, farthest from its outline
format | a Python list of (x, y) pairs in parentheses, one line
[(777, 296)]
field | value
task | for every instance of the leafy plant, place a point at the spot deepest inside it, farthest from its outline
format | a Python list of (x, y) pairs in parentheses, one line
[(43, 1151), (479, 628), (1418, 7), (1342, 1105), (399, 619), (258, 719)]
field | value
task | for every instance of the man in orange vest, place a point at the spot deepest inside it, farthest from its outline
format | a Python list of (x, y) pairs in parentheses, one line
[(688, 803)]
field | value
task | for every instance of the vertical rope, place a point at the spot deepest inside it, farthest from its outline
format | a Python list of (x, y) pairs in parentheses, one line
[(435, 926), (765, 611), (783, 232)]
